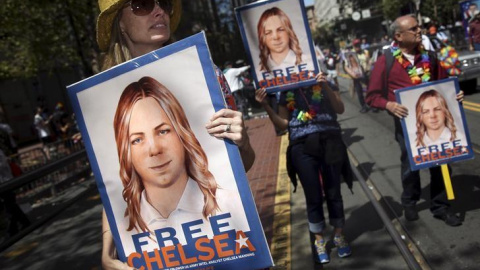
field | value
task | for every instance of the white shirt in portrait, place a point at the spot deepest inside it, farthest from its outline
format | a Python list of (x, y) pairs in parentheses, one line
[(443, 138), (190, 208), (289, 61)]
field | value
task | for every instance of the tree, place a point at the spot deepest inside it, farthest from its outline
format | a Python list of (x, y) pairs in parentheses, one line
[(442, 11), (216, 18), (324, 35), (44, 35), (392, 8)]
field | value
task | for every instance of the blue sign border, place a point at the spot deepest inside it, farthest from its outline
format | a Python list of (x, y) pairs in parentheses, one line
[(284, 87), (414, 166)]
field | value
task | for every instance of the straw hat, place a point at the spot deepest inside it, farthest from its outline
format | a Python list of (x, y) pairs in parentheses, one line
[(110, 8)]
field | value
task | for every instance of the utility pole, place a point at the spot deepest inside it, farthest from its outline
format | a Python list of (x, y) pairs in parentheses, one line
[(417, 7)]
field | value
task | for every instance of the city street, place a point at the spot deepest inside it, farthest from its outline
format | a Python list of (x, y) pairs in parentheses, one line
[(371, 140), (135, 99), (72, 240)]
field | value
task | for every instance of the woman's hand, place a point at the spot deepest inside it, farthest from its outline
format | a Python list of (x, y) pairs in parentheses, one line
[(109, 252), (109, 262), (260, 96), (460, 96), (228, 124), (321, 78)]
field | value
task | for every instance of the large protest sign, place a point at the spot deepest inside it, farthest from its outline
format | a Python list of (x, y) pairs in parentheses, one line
[(278, 42), (435, 129), (175, 197)]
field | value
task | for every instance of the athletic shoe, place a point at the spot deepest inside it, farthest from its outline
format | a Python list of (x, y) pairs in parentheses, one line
[(321, 248), (343, 248)]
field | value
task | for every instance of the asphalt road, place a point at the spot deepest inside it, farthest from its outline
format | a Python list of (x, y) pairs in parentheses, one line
[(371, 140)]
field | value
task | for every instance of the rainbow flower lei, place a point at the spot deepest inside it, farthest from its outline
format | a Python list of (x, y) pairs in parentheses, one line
[(411, 69), (449, 61), (313, 108)]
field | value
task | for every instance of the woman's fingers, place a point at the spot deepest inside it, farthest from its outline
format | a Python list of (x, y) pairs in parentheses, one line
[(228, 124), (460, 96), (260, 95), (321, 77)]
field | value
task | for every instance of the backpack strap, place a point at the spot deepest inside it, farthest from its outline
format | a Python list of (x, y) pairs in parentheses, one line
[(388, 66), (433, 62)]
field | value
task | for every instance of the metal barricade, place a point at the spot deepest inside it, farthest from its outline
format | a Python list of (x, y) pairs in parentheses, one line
[(53, 177)]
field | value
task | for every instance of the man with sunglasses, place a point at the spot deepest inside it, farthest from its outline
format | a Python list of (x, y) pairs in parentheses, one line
[(128, 29), (391, 73)]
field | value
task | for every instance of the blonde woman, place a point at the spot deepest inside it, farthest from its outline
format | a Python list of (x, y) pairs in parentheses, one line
[(128, 29), (355, 70)]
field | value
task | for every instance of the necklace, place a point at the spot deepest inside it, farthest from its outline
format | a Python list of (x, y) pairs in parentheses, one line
[(313, 108), (410, 68)]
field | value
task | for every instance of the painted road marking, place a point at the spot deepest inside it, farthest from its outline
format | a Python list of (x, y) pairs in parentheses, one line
[(22, 249), (281, 240), (472, 104), (471, 108)]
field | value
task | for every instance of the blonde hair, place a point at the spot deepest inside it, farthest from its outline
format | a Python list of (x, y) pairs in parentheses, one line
[(118, 51), (196, 161), (293, 44), (421, 129)]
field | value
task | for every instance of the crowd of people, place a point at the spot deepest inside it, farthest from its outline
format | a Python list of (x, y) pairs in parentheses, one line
[(58, 125)]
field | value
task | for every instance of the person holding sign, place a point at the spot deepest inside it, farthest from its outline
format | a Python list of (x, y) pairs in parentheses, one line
[(408, 64), (315, 146), (355, 70), (128, 29), (278, 44)]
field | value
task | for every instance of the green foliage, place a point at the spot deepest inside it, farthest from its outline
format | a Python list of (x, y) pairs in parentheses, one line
[(443, 11), (38, 35), (446, 10), (391, 8), (324, 35)]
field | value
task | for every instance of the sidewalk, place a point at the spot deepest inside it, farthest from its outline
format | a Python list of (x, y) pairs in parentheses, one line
[(263, 175)]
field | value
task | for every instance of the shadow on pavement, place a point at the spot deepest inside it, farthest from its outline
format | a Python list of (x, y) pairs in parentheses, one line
[(71, 241), (349, 138), (467, 191)]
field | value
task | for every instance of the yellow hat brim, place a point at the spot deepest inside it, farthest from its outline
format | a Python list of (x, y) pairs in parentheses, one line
[(105, 22)]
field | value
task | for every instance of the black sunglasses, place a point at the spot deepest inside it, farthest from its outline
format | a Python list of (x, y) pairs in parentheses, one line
[(414, 29), (145, 7)]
